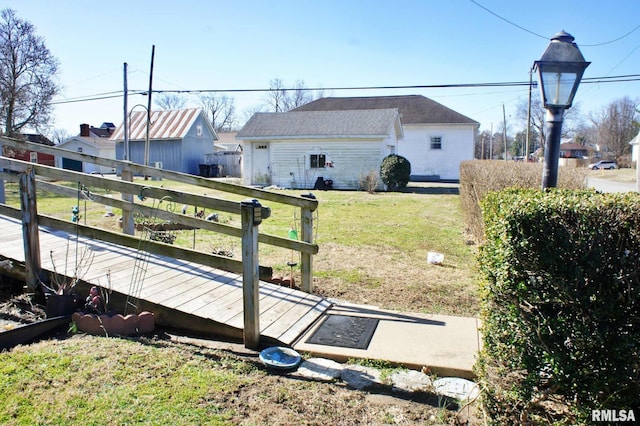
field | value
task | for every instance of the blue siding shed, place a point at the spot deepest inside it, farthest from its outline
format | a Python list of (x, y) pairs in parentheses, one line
[(178, 139)]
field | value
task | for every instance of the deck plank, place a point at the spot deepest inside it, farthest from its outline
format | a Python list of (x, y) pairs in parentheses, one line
[(181, 286)]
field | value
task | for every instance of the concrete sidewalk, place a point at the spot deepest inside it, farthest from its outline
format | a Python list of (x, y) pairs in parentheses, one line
[(445, 345)]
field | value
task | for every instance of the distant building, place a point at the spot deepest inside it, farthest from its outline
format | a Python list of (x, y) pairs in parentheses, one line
[(436, 138), (92, 141), (179, 140), (31, 156), (635, 148), (226, 161), (573, 150)]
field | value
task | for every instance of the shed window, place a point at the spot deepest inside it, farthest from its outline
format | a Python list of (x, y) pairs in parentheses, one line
[(33, 157), (318, 161), (261, 146), (436, 142)]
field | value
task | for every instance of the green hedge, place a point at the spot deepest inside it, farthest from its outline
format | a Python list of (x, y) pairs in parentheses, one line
[(560, 305), (479, 177)]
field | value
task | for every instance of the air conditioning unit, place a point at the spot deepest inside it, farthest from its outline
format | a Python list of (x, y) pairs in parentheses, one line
[(158, 165)]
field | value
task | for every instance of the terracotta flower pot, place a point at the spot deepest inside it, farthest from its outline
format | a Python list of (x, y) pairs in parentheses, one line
[(104, 325)]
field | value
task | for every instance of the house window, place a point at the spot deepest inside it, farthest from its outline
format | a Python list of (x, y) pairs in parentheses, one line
[(33, 157), (436, 142), (318, 161)]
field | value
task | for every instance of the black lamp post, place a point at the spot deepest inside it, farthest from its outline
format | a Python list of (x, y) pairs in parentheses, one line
[(559, 73)]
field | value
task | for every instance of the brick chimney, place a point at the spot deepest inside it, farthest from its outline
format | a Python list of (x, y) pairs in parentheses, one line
[(84, 130)]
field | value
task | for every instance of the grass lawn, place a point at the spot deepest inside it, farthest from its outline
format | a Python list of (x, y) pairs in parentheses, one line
[(619, 175), (373, 247), (88, 380)]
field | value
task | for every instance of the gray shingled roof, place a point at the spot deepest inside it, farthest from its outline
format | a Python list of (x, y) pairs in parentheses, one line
[(414, 109), (365, 123)]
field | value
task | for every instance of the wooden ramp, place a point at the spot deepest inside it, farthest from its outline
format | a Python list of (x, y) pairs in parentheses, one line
[(183, 295)]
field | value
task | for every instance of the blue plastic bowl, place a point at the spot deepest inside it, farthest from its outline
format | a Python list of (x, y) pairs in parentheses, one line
[(280, 357)]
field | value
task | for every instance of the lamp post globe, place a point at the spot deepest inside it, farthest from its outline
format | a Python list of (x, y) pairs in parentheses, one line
[(559, 71)]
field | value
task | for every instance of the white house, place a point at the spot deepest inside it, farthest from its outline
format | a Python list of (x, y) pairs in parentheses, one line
[(436, 138), (311, 149), (635, 148), (92, 141)]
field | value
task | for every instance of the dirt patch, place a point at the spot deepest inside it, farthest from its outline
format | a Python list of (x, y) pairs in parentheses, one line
[(18, 307), (389, 279)]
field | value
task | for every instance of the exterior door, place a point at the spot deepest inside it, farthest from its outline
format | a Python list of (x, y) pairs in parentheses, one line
[(261, 164)]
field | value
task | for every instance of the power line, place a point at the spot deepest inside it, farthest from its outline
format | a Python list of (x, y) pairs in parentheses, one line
[(502, 18), (96, 97), (114, 94), (612, 41), (508, 21)]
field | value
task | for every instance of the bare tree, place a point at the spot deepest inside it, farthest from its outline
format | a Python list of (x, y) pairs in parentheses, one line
[(27, 73), (249, 112), (616, 125), (276, 95), (297, 96), (282, 99), (170, 101), (481, 149), (59, 135), (221, 110), (572, 119)]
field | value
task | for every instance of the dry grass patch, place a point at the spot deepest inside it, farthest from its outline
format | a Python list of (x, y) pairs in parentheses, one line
[(390, 279), (618, 175)]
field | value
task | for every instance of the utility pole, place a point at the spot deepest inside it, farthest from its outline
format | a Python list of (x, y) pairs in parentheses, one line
[(146, 143), (526, 150), (125, 122), (504, 132)]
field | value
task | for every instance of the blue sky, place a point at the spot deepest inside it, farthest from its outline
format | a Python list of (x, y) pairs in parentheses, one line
[(244, 44)]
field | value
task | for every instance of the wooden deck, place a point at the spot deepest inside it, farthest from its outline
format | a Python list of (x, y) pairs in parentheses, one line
[(182, 294)]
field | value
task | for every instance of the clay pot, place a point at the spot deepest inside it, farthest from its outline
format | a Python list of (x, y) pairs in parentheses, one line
[(104, 325)]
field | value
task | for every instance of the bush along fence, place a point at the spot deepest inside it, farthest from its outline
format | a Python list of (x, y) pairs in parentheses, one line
[(479, 177), (560, 306)]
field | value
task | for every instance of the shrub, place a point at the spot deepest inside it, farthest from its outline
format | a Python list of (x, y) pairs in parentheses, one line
[(395, 171), (560, 305), (479, 177), (369, 181)]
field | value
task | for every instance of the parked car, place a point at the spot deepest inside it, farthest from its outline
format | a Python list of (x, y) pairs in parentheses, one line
[(603, 164)]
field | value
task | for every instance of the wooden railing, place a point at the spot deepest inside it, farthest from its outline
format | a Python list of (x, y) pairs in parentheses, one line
[(252, 213)]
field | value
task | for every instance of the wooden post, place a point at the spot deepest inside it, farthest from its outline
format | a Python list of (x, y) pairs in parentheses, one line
[(250, 212), (306, 259), (127, 217), (30, 234)]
